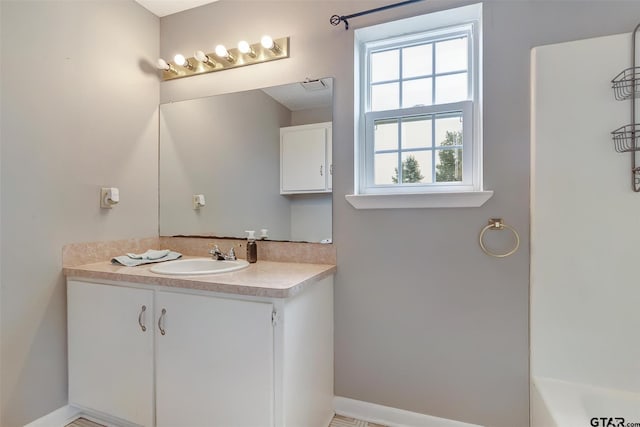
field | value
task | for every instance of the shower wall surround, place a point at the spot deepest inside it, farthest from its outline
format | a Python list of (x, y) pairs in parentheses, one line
[(585, 225)]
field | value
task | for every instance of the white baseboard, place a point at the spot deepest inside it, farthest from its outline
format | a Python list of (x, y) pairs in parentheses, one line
[(365, 411), (65, 415), (388, 416), (59, 417)]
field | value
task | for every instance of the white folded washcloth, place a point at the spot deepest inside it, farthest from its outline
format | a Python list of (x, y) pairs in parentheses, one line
[(149, 257), (150, 254)]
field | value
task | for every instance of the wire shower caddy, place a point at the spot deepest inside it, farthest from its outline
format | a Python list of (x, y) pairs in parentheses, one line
[(626, 139)]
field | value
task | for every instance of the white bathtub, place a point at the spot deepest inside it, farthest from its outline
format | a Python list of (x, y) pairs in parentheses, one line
[(556, 403)]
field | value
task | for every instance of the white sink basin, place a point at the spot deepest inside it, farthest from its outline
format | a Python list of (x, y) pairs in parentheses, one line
[(187, 267)]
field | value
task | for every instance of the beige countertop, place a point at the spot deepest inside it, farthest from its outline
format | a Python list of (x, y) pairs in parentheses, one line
[(263, 279)]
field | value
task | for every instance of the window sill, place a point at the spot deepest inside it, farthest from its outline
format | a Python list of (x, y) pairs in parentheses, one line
[(467, 199)]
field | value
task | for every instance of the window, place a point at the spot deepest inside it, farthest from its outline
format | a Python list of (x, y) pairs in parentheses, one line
[(419, 127)]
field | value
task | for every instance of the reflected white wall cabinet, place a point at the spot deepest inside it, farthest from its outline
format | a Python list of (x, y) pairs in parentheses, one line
[(219, 362), (305, 159)]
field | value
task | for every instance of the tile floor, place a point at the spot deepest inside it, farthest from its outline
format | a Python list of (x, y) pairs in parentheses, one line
[(83, 422), (340, 421)]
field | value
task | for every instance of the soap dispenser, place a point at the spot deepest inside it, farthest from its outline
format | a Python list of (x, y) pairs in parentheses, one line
[(252, 247)]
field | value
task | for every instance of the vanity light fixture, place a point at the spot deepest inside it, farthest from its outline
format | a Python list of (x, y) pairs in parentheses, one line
[(222, 52), (267, 49), (246, 49)]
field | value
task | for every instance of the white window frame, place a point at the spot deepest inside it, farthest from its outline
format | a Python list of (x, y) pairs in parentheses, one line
[(436, 26)]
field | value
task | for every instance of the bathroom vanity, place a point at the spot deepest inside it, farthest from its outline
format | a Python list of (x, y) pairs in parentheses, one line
[(248, 348)]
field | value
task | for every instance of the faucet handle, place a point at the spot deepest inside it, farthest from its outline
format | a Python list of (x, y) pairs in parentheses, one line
[(216, 253), (231, 256)]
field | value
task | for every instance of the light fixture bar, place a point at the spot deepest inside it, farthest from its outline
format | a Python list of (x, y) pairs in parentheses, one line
[(240, 59)]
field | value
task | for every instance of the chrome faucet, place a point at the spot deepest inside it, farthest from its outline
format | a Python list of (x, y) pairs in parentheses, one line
[(217, 254)]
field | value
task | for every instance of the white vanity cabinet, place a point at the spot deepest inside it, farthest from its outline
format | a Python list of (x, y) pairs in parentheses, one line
[(203, 358), (306, 158)]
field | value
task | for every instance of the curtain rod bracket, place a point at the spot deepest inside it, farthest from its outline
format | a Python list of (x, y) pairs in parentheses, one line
[(335, 19)]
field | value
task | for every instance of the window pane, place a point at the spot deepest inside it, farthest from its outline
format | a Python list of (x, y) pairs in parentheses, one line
[(451, 88), (417, 61), (385, 97), (417, 92), (385, 167), (451, 55), (416, 132), (416, 167), (449, 165), (449, 130), (385, 66), (385, 135)]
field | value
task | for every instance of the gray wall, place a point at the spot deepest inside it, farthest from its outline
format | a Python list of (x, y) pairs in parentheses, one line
[(314, 115), (79, 111), (424, 320)]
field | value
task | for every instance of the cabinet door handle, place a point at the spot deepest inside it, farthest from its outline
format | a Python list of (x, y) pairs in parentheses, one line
[(331, 169), (160, 322), (320, 170), (140, 321)]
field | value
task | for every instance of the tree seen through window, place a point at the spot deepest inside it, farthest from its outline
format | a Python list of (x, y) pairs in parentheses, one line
[(448, 169)]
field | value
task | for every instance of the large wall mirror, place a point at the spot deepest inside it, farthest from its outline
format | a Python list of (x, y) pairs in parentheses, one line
[(227, 148)]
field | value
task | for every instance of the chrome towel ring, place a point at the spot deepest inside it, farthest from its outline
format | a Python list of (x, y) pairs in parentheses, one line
[(497, 224)]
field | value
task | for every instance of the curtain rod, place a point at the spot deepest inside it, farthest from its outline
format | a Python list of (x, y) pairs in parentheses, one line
[(335, 19)]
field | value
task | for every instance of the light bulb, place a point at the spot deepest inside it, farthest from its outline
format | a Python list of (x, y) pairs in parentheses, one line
[(267, 42), (204, 58), (221, 51), (201, 56), (180, 60), (162, 65), (245, 48)]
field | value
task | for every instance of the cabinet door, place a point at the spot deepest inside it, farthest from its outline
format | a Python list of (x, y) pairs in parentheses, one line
[(214, 362), (303, 159), (110, 356)]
